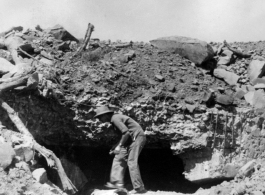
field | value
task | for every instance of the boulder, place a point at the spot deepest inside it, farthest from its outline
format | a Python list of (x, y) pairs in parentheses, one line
[(195, 50), (224, 99), (40, 175), (6, 67), (229, 77), (259, 86), (256, 98), (225, 60), (256, 69), (46, 61), (60, 33), (7, 154), (227, 53)]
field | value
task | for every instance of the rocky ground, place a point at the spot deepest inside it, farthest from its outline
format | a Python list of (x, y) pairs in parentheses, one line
[(181, 100)]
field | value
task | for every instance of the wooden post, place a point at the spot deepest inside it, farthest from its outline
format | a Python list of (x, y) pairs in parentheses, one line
[(90, 29)]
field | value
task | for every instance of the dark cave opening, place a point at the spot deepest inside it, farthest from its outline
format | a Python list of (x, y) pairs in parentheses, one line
[(160, 169)]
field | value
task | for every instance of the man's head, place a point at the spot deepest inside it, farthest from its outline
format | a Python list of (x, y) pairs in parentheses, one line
[(104, 114)]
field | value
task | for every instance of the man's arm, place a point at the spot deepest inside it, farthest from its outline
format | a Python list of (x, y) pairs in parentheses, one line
[(117, 122), (121, 143)]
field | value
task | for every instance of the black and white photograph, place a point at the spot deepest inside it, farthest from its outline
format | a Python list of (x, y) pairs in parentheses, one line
[(119, 97)]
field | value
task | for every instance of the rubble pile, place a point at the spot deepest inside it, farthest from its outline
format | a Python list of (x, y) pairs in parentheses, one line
[(204, 101)]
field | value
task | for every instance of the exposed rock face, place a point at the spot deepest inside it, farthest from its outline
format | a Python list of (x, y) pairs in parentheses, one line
[(193, 49)]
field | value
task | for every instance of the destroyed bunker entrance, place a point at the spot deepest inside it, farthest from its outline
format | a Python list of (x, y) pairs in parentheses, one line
[(160, 169)]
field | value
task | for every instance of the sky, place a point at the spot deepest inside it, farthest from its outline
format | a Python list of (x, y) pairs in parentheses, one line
[(142, 20)]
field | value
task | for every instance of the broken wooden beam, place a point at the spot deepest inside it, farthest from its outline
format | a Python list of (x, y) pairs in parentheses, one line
[(84, 46), (236, 52)]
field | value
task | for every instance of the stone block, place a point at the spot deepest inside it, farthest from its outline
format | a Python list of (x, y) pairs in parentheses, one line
[(60, 33), (230, 170), (7, 154), (160, 78), (256, 98), (171, 87), (247, 169), (255, 70), (195, 50), (224, 99), (229, 77), (256, 193), (25, 153), (6, 67), (40, 175), (225, 60)]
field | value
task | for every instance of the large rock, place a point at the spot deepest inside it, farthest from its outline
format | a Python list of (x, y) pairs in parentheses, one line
[(7, 154), (256, 98), (6, 67), (193, 49), (60, 33), (229, 77), (40, 175), (256, 70), (225, 58)]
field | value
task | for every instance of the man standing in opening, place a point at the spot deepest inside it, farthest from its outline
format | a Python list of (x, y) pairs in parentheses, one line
[(126, 151)]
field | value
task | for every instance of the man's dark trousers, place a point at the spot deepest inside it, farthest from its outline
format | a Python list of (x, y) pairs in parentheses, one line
[(128, 156)]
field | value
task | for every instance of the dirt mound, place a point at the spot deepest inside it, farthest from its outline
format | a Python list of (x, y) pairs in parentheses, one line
[(179, 104)]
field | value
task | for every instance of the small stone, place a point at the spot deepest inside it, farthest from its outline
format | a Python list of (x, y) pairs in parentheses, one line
[(239, 94), (221, 89), (195, 82), (224, 99), (190, 107), (259, 86), (171, 87), (256, 193), (131, 54), (160, 78), (25, 153), (40, 175)]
